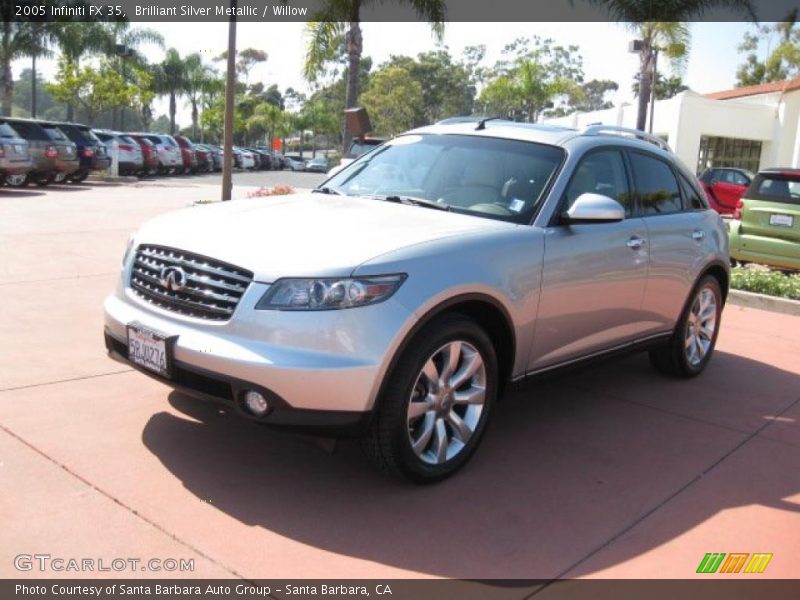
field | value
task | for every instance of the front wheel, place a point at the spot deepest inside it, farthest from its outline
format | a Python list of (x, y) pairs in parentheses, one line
[(436, 403), (692, 344)]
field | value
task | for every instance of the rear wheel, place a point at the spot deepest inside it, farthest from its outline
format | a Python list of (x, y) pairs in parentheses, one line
[(692, 344), (43, 180), (79, 177), (18, 180), (436, 403), (59, 177)]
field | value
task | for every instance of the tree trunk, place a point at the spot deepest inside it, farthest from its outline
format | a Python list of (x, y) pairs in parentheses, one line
[(194, 119), (172, 110), (645, 86), (6, 79), (355, 46)]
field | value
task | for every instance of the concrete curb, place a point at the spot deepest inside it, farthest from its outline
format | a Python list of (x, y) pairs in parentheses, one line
[(110, 179), (764, 302)]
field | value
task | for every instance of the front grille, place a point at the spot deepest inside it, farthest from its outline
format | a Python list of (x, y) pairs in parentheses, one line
[(212, 288)]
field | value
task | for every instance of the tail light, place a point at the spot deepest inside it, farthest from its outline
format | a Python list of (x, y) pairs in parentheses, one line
[(737, 214), (51, 152), (2, 152), (126, 147), (88, 152)]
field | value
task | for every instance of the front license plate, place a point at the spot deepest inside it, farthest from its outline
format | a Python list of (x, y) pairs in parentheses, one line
[(781, 220), (150, 350)]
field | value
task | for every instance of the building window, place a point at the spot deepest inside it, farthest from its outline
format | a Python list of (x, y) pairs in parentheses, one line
[(728, 152)]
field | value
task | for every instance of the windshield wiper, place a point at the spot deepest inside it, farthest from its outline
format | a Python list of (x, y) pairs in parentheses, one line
[(327, 190), (413, 201)]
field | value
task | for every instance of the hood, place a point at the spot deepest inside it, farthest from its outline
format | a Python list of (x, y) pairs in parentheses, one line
[(304, 235)]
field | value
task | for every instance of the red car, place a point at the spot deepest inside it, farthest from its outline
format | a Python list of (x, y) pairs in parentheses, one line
[(724, 187), (187, 153), (149, 153)]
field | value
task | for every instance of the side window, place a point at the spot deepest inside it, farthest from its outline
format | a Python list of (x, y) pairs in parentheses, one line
[(603, 173), (656, 185), (739, 179), (691, 199)]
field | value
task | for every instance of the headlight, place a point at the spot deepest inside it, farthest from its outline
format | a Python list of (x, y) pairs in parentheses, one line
[(128, 250), (328, 294)]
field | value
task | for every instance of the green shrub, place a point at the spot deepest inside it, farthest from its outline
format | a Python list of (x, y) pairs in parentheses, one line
[(771, 283)]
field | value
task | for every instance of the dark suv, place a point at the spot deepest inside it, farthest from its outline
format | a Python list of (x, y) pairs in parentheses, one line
[(92, 153), (15, 161), (54, 156), (187, 153)]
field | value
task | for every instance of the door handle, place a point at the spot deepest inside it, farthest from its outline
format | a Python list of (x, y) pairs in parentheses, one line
[(698, 234), (636, 243)]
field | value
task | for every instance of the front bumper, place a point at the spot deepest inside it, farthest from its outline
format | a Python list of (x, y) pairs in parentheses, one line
[(322, 367)]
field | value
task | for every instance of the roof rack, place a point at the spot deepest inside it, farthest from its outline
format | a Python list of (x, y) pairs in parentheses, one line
[(626, 132)]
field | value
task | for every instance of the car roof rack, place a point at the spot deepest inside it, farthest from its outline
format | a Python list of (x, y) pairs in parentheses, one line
[(626, 132)]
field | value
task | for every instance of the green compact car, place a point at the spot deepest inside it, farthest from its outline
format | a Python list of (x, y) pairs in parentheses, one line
[(766, 226)]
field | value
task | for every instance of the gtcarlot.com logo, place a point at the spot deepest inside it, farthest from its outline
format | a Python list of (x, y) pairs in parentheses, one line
[(735, 562), (46, 562)]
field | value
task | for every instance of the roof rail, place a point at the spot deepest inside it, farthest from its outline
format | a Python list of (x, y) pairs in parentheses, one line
[(626, 132)]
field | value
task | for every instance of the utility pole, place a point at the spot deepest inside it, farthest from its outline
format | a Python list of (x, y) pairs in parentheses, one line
[(230, 96)]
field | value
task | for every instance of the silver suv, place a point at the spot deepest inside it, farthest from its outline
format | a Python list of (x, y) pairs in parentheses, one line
[(397, 300)]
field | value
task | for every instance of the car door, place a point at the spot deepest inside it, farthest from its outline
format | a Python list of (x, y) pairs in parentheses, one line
[(680, 231), (594, 274)]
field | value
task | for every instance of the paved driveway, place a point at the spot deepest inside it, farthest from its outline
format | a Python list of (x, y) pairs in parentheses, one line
[(611, 471)]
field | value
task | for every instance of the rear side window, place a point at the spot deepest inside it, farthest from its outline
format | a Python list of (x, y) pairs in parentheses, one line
[(154, 138), (692, 200), (54, 133), (103, 136), (88, 134), (30, 131), (656, 185), (776, 187), (6, 131)]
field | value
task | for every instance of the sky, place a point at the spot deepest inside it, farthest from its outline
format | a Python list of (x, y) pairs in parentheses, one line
[(712, 64)]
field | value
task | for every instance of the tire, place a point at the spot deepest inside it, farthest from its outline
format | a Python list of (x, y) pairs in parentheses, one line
[(681, 356), (43, 180), (17, 181), (440, 413), (79, 177)]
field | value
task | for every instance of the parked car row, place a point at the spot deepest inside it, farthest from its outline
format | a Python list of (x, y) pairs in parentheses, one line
[(43, 152)]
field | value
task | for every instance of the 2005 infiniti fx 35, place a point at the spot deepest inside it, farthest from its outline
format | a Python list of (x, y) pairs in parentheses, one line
[(396, 300)]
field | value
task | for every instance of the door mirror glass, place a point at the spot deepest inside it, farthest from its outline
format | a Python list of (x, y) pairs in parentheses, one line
[(594, 208)]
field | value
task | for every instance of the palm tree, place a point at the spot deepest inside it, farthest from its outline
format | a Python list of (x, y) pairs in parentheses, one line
[(198, 77), (662, 26), (171, 80), (17, 40), (341, 19)]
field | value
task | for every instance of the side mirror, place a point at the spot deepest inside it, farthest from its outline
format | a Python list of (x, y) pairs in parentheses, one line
[(594, 208)]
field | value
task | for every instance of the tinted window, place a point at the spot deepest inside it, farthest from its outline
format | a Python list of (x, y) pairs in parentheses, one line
[(154, 138), (87, 134), (103, 136), (6, 131), (691, 198), (776, 187), (656, 185), (54, 133), (29, 131), (600, 173)]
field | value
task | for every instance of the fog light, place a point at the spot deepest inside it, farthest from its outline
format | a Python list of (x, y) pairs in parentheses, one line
[(256, 403)]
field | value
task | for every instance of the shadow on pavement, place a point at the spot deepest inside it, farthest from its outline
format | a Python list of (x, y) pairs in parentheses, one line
[(18, 193), (561, 471)]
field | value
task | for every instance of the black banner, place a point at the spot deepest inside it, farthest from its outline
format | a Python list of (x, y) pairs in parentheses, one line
[(400, 589), (278, 11)]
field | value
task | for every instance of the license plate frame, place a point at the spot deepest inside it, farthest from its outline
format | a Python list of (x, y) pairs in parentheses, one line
[(151, 350), (781, 220)]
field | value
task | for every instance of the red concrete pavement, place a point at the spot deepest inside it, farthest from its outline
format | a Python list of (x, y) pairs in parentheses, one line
[(612, 471)]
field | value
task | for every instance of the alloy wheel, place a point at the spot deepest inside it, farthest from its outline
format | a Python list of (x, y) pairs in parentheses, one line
[(446, 402), (701, 326)]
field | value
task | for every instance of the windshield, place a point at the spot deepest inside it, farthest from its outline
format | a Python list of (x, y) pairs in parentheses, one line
[(489, 177)]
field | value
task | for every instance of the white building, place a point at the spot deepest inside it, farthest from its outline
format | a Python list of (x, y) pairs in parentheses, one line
[(753, 127)]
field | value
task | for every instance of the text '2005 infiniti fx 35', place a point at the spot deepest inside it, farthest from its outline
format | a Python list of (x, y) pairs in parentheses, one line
[(396, 300)]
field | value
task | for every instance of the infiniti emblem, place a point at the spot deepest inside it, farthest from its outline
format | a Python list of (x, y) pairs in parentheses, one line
[(173, 278)]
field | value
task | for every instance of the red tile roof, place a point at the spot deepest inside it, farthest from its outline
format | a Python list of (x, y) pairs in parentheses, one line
[(787, 85)]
